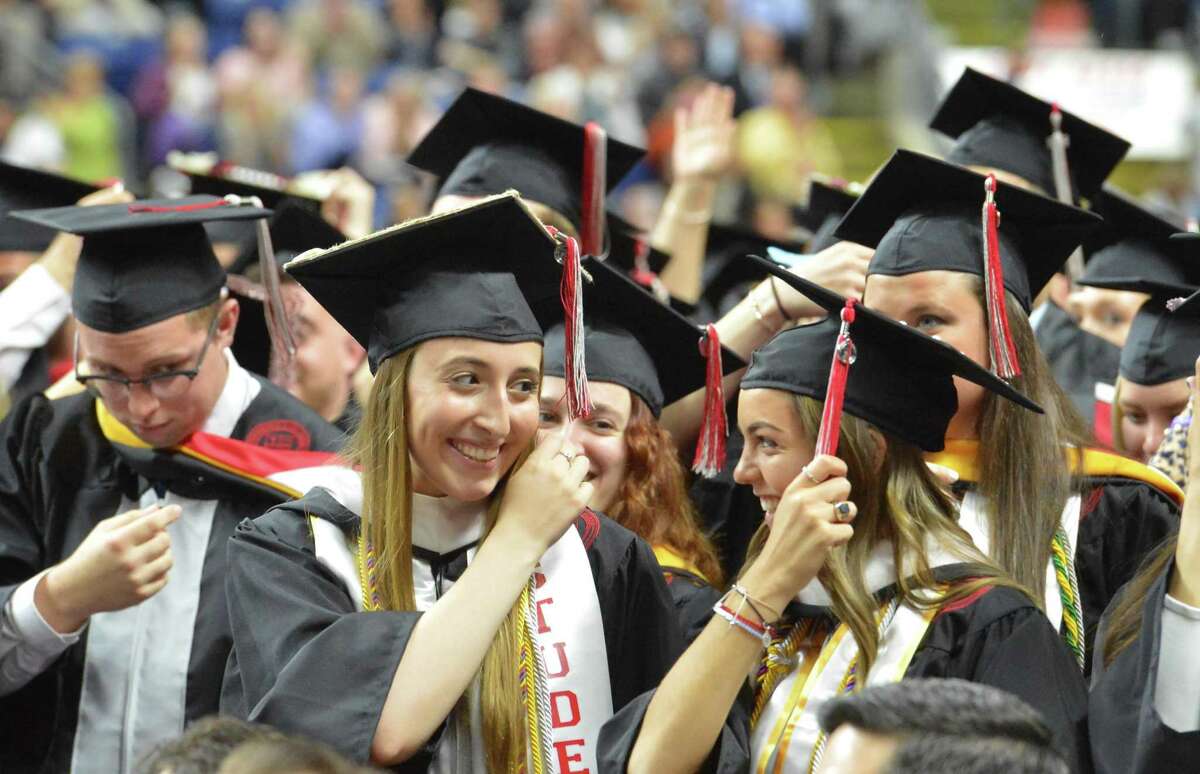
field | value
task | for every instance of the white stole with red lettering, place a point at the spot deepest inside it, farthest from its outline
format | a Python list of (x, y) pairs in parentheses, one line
[(570, 635)]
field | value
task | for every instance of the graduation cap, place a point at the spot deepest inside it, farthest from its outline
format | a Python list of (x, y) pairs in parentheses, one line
[(1190, 305), (923, 214), (270, 188), (886, 373), (1161, 347), (294, 229), (1134, 251), (636, 342), (997, 125), (827, 203), (724, 272), (485, 145), (23, 188), (143, 262), (628, 248), (473, 272), (645, 346)]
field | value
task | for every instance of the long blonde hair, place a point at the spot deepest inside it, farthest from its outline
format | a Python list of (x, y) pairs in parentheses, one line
[(1024, 476), (380, 448), (898, 499)]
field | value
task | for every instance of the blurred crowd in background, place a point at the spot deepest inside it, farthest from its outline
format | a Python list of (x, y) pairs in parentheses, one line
[(102, 89)]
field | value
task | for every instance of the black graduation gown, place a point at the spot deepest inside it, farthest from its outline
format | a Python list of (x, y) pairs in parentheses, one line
[(998, 638), (59, 477), (729, 511), (306, 662), (1078, 359), (1122, 521), (1127, 734), (694, 599)]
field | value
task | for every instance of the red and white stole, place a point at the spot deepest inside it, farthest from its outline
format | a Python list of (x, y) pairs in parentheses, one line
[(570, 637)]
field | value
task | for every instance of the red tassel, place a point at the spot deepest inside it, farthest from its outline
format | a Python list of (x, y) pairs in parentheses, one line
[(1000, 343), (143, 208), (710, 448), (579, 402), (835, 391), (595, 165)]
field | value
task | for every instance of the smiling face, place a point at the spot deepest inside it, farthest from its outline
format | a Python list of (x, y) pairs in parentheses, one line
[(170, 345), (600, 436), (941, 304), (1146, 412), (777, 448), (472, 410)]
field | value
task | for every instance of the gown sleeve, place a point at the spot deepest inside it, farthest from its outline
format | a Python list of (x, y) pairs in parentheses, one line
[(1123, 522), (1000, 638), (304, 661), (1128, 733), (694, 600)]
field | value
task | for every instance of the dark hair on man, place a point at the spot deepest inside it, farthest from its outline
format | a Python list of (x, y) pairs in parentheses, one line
[(950, 725), (937, 706), (288, 754), (926, 753), (204, 746)]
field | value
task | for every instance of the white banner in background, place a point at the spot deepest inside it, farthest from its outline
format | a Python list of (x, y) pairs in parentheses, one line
[(1146, 97)]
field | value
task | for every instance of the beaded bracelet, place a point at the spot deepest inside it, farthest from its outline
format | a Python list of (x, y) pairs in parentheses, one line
[(757, 631)]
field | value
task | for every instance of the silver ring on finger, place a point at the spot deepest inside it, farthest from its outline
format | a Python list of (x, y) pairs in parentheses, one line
[(842, 512), (804, 471)]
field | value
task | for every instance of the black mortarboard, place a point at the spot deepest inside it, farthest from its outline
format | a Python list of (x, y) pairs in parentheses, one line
[(625, 242), (923, 214), (901, 380), (22, 188), (1134, 250), (1000, 126), (485, 145), (143, 262), (473, 272), (1161, 347), (725, 275), (294, 229), (635, 341), (827, 204), (267, 186)]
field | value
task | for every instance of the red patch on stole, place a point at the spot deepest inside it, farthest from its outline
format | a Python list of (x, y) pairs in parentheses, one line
[(280, 434)]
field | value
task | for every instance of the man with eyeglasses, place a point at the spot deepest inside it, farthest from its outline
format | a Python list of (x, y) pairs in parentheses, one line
[(116, 503)]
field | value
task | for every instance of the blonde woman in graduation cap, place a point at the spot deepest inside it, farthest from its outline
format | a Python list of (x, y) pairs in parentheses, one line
[(463, 611), (859, 575)]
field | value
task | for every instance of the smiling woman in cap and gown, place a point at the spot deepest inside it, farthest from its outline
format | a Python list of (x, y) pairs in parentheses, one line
[(172, 444), (860, 574), (641, 355), (463, 610)]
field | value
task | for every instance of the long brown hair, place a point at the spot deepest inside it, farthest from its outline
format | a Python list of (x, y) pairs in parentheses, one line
[(1024, 477), (1125, 622), (898, 499), (652, 500), (379, 447)]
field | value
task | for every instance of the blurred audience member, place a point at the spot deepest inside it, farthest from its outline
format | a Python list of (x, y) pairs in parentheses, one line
[(176, 95), (90, 120), (339, 33), (328, 131)]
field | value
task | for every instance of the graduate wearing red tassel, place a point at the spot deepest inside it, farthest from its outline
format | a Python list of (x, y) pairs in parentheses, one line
[(641, 356), (859, 576)]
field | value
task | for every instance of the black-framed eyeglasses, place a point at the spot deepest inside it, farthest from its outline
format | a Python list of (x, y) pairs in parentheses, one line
[(165, 385)]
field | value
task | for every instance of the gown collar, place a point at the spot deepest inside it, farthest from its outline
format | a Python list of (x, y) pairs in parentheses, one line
[(442, 525)]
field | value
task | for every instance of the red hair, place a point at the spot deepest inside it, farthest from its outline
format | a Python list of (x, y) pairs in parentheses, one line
[(652, 500)]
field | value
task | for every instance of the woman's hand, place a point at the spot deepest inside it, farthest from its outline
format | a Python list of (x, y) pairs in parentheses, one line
[(841, 267), (1185, 582), (544, 496), (811, 519), (703, 145)]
